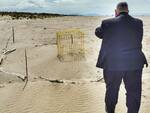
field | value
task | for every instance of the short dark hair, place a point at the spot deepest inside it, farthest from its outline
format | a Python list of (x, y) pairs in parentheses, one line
[(122, 6)]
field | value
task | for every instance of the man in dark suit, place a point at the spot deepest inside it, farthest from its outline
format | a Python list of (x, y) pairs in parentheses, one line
[(121, 57)]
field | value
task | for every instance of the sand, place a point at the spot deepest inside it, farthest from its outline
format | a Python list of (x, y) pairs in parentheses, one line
[(79, 92)]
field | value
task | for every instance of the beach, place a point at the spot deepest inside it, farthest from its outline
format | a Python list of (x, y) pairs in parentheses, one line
[(54, 86)]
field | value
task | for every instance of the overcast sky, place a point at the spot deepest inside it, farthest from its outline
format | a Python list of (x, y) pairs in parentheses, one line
[(83, 7)]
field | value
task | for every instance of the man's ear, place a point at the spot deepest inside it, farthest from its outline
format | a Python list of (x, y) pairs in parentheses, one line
[(116, 14)]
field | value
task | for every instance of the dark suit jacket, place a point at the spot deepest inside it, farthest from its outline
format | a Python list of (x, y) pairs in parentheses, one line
[(121, 47)]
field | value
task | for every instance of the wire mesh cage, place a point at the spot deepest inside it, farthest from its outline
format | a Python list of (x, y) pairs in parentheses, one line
[(70, 44)]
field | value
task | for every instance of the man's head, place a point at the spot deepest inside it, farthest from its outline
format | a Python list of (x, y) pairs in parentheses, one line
[(121, 7)]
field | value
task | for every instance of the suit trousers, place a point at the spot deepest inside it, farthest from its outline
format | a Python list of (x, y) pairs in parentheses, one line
[(133, 86)]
